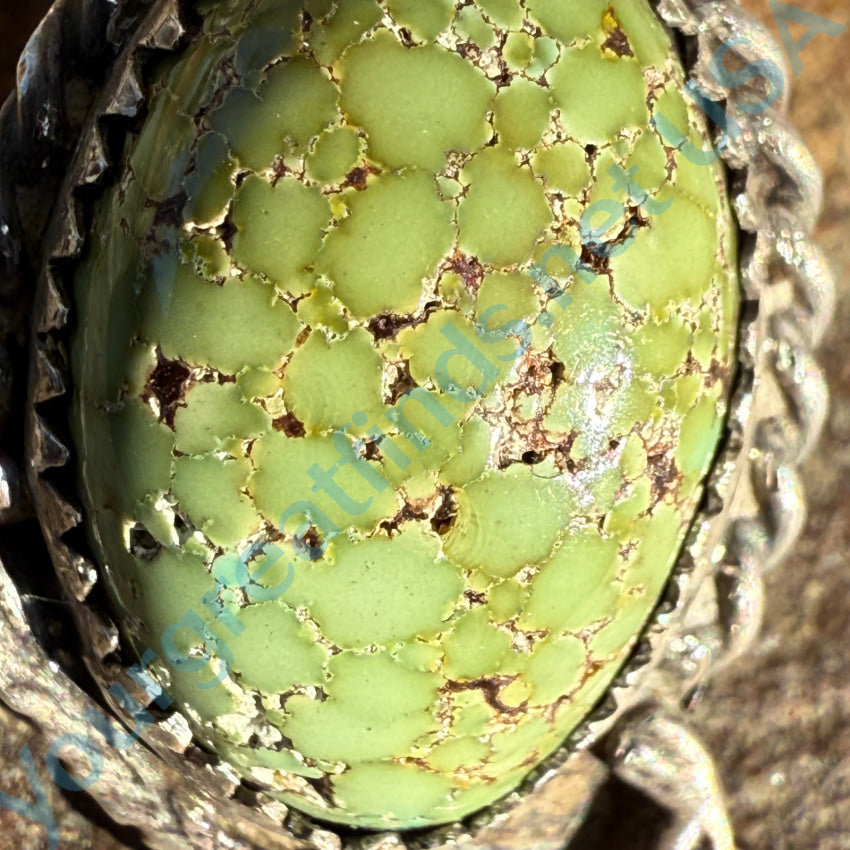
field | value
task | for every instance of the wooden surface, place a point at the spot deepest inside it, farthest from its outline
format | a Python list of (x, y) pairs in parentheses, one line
[(779, 721)]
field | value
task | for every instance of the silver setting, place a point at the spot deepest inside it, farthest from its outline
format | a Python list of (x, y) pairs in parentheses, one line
[(711, 613)]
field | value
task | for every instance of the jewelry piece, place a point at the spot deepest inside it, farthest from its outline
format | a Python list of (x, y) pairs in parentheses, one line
[(56, 136)]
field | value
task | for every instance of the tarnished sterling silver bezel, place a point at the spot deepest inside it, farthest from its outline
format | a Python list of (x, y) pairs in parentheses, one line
[(752, 512)]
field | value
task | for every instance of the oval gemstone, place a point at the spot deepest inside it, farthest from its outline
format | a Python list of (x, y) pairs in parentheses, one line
[(402, 348)]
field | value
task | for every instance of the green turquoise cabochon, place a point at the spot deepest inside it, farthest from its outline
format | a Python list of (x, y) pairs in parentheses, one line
[(402, 349)]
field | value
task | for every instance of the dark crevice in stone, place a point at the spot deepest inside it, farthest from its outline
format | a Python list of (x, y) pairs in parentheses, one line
[(402, 384), (279, 170), (532, 457), (183, 527), (226, 232), (559, 371), (324, 788), (445, 516), (490, 687), (663, 473), (475, 596), (505, 77), (358, 178), (313, 539), (369, 449), (540, 373), (388, 325), (470, 270), (143, 545), (406, 514), (169, 213), (290, 425), (469, 50), (591, 261), (167, 384), (618, 43), (717, 372)]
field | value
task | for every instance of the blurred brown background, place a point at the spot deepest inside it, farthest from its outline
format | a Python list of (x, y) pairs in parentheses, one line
[(779, 721)]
